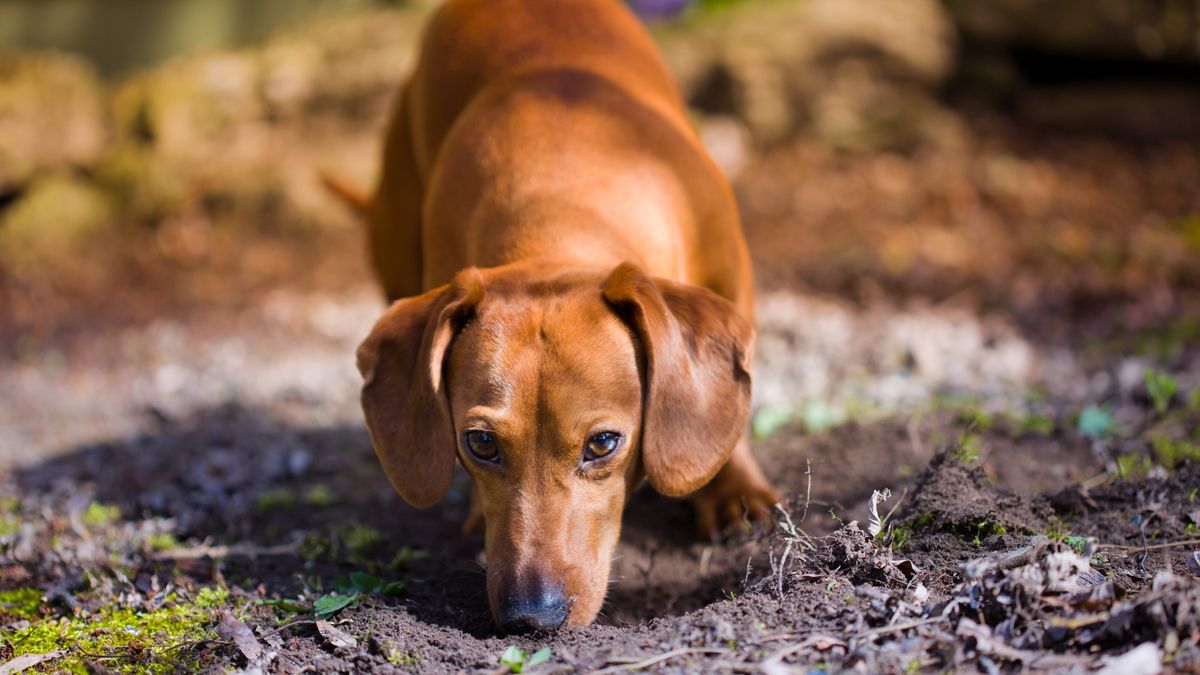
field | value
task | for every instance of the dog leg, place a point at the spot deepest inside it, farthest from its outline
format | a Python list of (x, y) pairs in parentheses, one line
[(739, 492)]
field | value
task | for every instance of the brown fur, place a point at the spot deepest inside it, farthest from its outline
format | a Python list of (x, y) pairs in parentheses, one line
[(565, 259)]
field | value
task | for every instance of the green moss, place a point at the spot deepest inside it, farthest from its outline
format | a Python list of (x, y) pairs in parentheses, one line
[(1171, 453), (276, 499), (316, 545), (212, 596), (320, 495), (969, 450), (128, 640), (9, 525), (405, 557), (400, 658), (1133, 466), (162, 541), (362, 542), (1037, 425), (22, 602), (100, 515), (975, 418)]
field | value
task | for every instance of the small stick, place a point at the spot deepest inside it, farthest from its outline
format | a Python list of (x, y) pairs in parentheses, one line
[(1151, 547), (240, 550), (659, 659)]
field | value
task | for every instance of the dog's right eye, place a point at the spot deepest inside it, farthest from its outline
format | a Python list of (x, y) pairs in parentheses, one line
[(483, 445)]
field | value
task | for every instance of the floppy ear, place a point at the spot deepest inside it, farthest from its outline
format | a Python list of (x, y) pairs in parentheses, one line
[(697, 389), (403, 397)]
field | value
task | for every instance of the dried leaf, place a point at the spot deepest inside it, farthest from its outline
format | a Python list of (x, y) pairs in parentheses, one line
[(27, 661), (874, 522), (231, 628), (336, 636)]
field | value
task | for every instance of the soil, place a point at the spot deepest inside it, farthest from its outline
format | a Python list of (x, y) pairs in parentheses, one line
[(223, 426)]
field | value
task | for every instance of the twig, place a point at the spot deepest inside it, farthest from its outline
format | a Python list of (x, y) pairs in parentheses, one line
[(896, 628), (779, 656), (807, 488), (232, 550), (659, 659), (1151, 547)]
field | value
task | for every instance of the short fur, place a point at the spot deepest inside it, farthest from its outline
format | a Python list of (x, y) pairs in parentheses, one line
[(565, 259)]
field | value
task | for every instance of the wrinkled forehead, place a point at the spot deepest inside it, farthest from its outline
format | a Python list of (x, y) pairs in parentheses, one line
[(554, 351)]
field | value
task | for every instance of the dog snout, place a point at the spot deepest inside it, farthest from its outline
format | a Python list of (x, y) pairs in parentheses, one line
[(536, 607)]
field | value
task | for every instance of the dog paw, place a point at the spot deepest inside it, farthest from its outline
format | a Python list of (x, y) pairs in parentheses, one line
[(725, 506)]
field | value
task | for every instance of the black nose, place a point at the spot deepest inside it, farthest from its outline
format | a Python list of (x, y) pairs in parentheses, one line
[(538, 607)]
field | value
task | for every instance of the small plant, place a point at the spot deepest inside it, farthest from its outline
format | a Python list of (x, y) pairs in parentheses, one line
[(1133, 466), (518, 660), (975, 418), (320, 495), (330, 604), (316, 545), (362, 541), (1171, 453), (1162, 388), (405, 557), (274, 500), (365, 583), (819, 416), (162, 541), (969, 450), (1096, 422), (1038, 425), (770, 420), (100, 515)]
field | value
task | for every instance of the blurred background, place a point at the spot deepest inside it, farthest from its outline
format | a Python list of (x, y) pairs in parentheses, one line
[(942, 197)]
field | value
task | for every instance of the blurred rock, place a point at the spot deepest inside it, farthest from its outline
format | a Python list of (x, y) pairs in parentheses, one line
[(50, 115), (55, 217), (1112, 29), (854, 72)]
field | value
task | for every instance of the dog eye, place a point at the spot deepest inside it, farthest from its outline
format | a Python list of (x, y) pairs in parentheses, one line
[(483, 445), (602, 444)]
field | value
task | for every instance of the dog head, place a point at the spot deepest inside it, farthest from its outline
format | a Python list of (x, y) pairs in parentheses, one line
[(558, 395)]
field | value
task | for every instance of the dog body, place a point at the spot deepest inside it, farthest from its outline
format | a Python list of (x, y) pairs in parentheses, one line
[(574, 300)]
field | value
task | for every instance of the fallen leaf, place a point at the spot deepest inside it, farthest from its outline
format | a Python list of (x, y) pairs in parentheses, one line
[(27, 661), (336, 636), (231, 628), (330, 604)]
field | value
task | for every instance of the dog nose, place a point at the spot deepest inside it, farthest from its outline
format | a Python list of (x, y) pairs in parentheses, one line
[(539, 608)]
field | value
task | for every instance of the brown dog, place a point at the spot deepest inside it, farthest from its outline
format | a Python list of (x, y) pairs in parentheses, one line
[(575, 311)]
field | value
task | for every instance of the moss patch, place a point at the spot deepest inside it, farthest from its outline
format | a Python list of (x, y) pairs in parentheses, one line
[(124, 640), (21, 602)]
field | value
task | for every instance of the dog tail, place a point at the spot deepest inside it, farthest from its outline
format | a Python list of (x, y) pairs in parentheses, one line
[(351, 196)]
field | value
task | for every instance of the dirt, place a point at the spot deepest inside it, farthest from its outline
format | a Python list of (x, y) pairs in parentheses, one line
[(969, 326)]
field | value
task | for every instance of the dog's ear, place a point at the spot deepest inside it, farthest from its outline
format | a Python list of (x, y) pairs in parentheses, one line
[(403, 395), (697, 387)]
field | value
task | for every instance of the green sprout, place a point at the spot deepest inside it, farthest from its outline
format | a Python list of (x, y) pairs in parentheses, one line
[(518, 660)]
